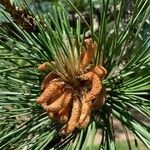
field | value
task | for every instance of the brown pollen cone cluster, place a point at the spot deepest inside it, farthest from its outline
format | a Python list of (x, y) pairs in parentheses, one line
[(71, 102)]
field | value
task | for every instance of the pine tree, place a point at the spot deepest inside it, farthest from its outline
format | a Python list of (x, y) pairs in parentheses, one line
[(106, 75)]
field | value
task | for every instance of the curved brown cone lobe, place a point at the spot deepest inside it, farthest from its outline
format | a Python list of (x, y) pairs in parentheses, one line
[(96, 85), (88, 53), (74, 118), (85, 122), (50, 91), (64, 115), (85, 111), (100, 100)]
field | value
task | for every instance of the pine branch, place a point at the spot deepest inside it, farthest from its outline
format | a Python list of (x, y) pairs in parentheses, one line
[(25, 125), (20, 16)]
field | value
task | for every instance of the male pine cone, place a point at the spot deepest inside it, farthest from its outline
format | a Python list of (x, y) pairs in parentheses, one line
[(71, 102)]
